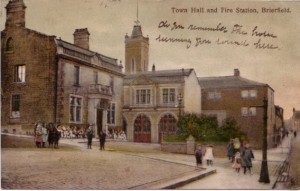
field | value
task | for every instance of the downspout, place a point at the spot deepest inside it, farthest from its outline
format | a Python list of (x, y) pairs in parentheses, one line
[(55, 84)]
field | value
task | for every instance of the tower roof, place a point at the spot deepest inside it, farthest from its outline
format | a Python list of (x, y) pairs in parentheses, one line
[(137, 31)]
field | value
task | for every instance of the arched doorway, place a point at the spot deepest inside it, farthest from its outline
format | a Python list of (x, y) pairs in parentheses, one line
[(142, 129), (167, 126)]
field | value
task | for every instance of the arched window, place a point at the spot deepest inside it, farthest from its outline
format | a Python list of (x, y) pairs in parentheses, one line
[(168, 124), (9, 44)]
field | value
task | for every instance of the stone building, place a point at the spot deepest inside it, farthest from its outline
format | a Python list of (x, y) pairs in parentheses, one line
[(154, 99), (240, 98), (48, 79), (295, 120), (279, 125)]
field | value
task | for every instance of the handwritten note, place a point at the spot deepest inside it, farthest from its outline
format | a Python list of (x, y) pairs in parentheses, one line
[(256, 37)]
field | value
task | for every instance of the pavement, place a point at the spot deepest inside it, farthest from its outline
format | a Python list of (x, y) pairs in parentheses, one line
[(219, 176)]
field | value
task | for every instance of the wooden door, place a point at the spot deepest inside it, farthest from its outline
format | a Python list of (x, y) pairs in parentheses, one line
[(142, 129)]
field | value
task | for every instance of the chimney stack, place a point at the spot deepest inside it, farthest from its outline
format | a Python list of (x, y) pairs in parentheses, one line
[(15, 13), (236, 72), (81, 38)]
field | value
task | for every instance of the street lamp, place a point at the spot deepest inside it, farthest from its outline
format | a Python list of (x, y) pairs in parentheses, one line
[(179, 98), (264, 172)]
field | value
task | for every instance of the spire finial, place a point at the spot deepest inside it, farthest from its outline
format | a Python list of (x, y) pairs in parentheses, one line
[(137, 22)]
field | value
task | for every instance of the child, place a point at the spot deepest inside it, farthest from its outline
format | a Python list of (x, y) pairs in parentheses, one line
[(209, 156), (237, 162), (198, 155)]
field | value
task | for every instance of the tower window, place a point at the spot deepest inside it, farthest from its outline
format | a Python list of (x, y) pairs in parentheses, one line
[(132, 66), (95, 77), (9, 45)]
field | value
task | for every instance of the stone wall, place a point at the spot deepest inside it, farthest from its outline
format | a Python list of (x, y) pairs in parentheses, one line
[(220, 151)]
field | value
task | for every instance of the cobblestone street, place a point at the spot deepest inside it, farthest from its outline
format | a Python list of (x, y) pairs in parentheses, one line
[(81, 168), (123, 165)]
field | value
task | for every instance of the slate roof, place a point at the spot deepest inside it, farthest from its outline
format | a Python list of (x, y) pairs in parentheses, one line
[(86, 52), (161, 76), (227, 82)]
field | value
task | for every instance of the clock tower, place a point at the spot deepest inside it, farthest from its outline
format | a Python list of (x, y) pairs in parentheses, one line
[(136, 51)]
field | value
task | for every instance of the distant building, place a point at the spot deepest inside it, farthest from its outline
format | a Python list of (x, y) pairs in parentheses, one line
[(279, 125), (152, 99), (295, 120), (235, 96), (48, 79)]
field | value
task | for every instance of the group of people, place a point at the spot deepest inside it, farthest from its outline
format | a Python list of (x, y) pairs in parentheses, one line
[(117, 134), (240, 156), (90, 135), (44, 132)]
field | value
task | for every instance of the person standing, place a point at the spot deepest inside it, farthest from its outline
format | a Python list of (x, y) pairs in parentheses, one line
[(38, 134), (237, 162), (198, 155), (247, 156), (44, 135), (230, 151), (90, 135), (209, 156), (102, 140)]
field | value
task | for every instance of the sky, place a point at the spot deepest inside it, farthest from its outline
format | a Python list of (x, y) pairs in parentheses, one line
[(260, 38)]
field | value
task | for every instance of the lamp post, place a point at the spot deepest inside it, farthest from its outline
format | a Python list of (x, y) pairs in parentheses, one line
[(264, 172), (179, 98)]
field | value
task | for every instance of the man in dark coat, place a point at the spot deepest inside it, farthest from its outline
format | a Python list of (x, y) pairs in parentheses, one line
[(230, 151), (199, 156), (90, 135), (247, 156), (102, 140)]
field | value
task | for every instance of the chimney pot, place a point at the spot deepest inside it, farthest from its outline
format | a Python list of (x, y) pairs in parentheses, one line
[(236, 72)]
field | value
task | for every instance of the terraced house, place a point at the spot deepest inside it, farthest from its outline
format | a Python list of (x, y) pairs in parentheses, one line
[(49, 79)]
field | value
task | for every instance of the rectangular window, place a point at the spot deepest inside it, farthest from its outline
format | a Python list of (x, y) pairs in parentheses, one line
[(214, 95), (252, 111), (15, 106), (168, 95), (253, 93), (249, 93), (111, 114), (75, 109), (248, 111), (143, 96), (76, 75), (244, 93), (20, 73)]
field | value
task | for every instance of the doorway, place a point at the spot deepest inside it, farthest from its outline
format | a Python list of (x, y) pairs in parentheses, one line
[(142, 129)]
